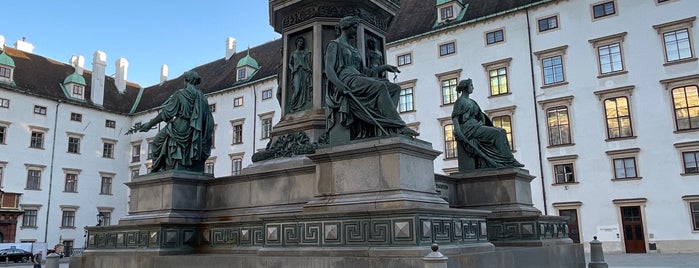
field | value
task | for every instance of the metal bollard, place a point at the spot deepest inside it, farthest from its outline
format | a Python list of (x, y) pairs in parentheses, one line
[(596, 255), (435, 259), (52, 260)]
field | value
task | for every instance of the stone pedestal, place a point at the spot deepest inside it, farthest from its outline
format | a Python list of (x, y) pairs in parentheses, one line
[(395, 172)]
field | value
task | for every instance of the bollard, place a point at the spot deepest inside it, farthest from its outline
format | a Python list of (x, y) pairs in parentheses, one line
[(435, 259), (52, 260), (596, 255)]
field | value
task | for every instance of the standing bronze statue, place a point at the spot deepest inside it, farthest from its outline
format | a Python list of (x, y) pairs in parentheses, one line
[(484, 144), (374, 58), (363, 104), (185, 142), (301, 77)]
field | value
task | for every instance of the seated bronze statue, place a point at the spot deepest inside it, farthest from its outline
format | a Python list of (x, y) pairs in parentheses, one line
[(485, 146)]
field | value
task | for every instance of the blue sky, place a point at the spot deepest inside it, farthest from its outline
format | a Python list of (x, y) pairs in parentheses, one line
[(180, 33)]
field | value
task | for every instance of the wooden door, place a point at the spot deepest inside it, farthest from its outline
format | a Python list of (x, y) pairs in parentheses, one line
[(632, 226), (572, 219)]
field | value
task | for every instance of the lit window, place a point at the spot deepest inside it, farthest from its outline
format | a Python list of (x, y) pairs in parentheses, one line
[(449, 142), (68, 219), (505, 122), (691, 162), (74, 145), (494, 37), (236, 166), (618, 118), (267, 94), (564, 173), (76, 117), (33, 179), (37, 140), (29, 218), (106, 187), (498, 81), (71, 184), (447, 12), (237, 102), (4, 103), (110, 123), (558, 126), (686, 104), (603, 10), (237, 134), (449, 91), (404, 59), (549, 23), (266, 127), (625, 168), (447, 49), (405, 100), (39, 110), (553, 70)]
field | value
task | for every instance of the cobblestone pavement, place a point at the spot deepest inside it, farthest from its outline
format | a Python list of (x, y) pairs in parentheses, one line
[(687, 260)]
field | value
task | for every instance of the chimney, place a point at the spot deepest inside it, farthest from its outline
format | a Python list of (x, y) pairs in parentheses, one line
[(121, 70), (230, 47), (24, 46), (2, 42), (99, 64), (78, 62), (163, 73)]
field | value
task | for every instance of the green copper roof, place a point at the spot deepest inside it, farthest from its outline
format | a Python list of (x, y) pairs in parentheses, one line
[(6, 60), (441, 2), (75, 78), (249, 61)]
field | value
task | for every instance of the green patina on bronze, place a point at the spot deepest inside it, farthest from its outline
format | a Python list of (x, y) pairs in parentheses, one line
[(301, 91), (485, 146), (185, 142), (286, 146), (359, 103)]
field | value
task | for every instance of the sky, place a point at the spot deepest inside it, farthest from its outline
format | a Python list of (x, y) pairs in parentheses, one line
[(180, 33)]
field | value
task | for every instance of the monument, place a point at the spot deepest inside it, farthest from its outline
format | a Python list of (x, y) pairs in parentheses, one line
[(342, 183)]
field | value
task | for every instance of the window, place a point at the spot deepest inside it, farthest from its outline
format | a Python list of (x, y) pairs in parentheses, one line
[(2, 171), (236, 165), (237, 102), (74, 145), (135, 153), (446, 12), (447, 49), (71, 184), (76, 117), (498, 81), (209, 167), (618, 117), (449, 94), (609, 53), (150, 149), (404, 59), (39, 110), (106, 186), (68, 219), (552, 65), (686, 105), (135, 172), (691, 162), (37, 140), (213, 137), (504, 122), (108, 149), (405, 100), (3, 133), (694, 210), (110, 123), (5, 73), (548, 23), (603, 9), (449, 142), (267, 94), (4, 103), (266, 127), (106, 218), (625, 168), (78, 91), (676, 38), (494, 37), (237, 131), (29, 218), (33, 179), (242, 74), (558, 125), (564, 173)]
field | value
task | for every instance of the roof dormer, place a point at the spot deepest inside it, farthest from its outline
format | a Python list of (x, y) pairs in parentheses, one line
[(7, 67), (449, 10), (246, 67), (74, 86)]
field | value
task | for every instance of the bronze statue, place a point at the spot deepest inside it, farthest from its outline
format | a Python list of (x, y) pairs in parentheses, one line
[(185, 142), (301, 77), (485, 146), (363, 104), (374, 58)]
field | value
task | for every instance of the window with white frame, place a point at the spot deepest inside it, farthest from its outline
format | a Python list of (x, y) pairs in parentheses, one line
[(4, 103), (29, 218), (406, 102), (236, 163), (603, 9), (237, 133), (135, 152), (68, 216), (37, 137), (108, 148), (404, 59), (74, 142), (242, 74), (689, 157), (71, 183), (266, 125), (447, 48), (446, 12), (558, 120), (624, 163), (497, 76), (34, 176), (552, 65), (494, 37), (609, 54), (447, 83), (209, 165), (548, 23), (106, 183), (563, 169), (676, 37), (78, 91)]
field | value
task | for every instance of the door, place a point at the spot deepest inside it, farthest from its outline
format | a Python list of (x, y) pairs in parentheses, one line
[(572, 219), (67, 248), (632, 226)]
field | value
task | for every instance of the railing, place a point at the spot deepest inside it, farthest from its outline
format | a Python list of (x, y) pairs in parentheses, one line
[(76, 252)]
